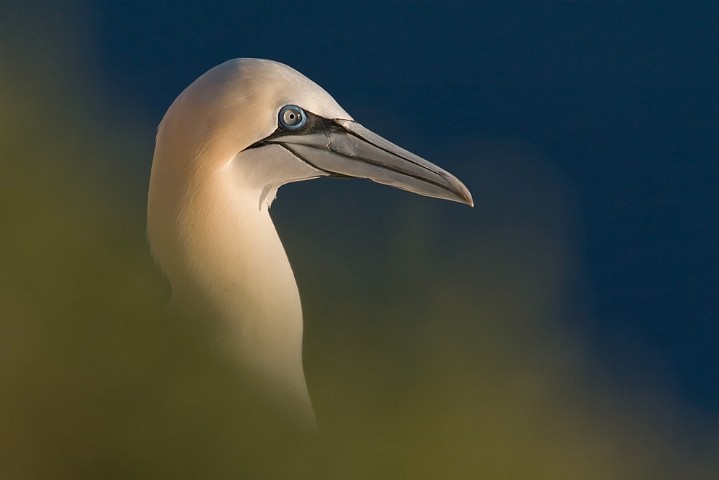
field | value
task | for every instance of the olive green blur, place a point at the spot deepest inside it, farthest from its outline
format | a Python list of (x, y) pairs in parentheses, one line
[(433, 348)]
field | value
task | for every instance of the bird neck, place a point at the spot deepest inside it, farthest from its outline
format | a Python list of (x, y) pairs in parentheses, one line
[(230, 262)]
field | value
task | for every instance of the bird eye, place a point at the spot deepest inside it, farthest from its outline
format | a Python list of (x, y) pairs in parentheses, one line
[(292, 117)]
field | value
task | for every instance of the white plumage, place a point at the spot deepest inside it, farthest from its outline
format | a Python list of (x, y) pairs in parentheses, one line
[(224, 147)]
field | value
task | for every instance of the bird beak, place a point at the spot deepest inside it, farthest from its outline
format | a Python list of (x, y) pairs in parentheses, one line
[(345, 148)]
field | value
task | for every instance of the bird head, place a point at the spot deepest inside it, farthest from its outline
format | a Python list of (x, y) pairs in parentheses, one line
[(271, 125)]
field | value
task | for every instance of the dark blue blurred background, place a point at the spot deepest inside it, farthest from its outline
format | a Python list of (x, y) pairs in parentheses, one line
[(620, 99)]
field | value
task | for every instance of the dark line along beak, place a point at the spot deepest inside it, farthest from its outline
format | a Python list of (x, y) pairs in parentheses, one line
[(347, 149)]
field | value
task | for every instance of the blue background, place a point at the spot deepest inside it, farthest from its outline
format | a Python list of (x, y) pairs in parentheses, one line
[(621, 99)]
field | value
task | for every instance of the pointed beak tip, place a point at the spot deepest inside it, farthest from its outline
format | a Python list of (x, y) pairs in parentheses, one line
[(468, 200), (464, 195)]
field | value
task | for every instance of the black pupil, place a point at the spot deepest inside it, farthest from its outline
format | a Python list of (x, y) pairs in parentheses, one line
[(292, 117)]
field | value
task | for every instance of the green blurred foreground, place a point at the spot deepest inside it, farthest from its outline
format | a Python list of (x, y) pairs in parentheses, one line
[(445, 355)]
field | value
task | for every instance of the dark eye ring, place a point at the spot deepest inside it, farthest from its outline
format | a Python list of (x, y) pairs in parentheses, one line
[(292, 117)]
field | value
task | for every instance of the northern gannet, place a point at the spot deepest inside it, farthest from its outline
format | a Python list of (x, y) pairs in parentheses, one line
[(224, 147)]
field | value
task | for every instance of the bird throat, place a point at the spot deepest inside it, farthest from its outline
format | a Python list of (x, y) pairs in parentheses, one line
[(237, 270)]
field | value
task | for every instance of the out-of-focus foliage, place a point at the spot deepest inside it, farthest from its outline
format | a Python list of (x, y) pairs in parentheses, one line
[(433, 350)]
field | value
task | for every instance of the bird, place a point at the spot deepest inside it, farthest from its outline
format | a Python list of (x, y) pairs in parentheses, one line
[(223, 148)]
